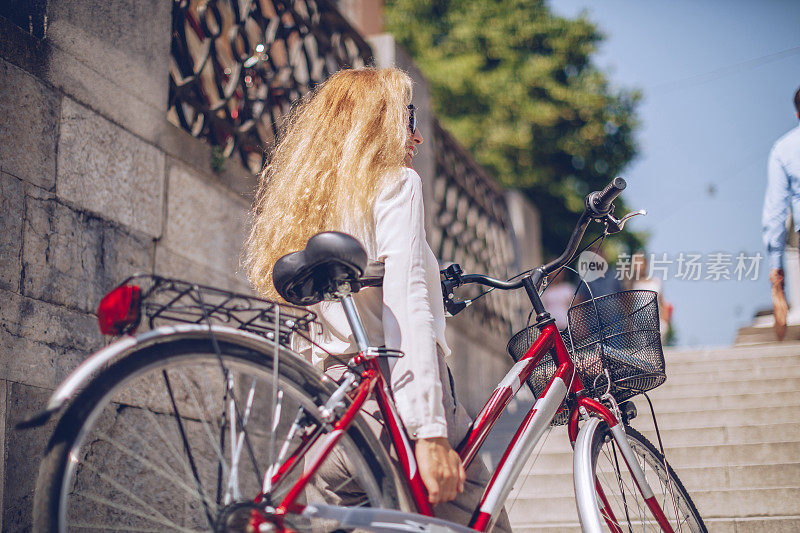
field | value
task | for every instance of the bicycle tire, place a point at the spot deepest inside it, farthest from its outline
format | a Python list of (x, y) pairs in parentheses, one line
[(626, 502), (141, 447)]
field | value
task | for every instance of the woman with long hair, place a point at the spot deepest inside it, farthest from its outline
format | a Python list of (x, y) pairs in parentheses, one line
[(343, 163)]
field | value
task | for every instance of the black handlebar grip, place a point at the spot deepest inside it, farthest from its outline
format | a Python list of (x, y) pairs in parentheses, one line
[(600, 202)]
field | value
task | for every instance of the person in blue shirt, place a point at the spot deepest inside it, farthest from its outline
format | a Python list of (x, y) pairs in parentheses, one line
[(783, 192)]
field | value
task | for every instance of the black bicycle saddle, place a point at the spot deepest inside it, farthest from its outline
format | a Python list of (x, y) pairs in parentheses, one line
[(329, 259)]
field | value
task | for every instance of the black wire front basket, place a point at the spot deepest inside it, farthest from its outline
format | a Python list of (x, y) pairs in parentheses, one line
[(614, 336)]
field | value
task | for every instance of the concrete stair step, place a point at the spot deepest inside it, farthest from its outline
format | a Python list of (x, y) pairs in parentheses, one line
[(764, 334), (775, 524), (700, 363), (729, 455), (734, 503), (720, 372), (715, 435), (689, 354), (674, 388), (719, 456), (754, 409), (754, 434), (558, 441), (669, 419), (736, 352), (741, 477), (729, 401), (747, 503)]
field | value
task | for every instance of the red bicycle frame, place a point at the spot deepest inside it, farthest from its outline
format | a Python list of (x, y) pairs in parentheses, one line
[(565, 384)]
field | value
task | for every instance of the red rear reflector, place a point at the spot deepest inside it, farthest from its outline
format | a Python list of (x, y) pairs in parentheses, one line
[(119, 310)]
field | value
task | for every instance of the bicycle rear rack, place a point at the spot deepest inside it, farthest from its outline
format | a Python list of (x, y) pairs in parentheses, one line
[(174, 300)]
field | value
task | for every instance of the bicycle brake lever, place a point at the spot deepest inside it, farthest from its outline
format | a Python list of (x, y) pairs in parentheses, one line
[(615, 226), (452, 280), (455, 307)]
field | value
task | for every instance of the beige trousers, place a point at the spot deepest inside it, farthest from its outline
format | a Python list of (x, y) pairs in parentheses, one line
[(334, 484)]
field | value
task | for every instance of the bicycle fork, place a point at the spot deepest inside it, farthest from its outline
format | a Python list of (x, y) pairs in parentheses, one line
[(588, 495)]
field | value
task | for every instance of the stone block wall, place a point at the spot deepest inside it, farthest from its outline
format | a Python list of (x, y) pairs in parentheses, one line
[(95, 184)]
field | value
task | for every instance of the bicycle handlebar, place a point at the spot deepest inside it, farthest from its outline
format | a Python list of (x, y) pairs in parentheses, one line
[(599, 206), (572, 246), (601, 203)]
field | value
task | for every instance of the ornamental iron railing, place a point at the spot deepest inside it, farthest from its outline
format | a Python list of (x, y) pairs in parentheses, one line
[(471, 226), (238, 65)]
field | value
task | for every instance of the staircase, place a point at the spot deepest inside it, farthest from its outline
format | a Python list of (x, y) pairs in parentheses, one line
[(730, 422)]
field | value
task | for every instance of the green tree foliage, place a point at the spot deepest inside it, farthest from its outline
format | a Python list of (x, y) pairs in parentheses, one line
[(516, 85)]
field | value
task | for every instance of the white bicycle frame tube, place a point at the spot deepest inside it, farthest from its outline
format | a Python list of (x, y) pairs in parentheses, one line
[(543, 412)]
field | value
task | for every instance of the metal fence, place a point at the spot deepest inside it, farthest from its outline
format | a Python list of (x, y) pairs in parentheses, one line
[(471, 226), (237, 66)]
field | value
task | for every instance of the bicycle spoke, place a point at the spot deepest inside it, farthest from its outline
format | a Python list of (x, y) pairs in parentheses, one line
[(626, 485), (186, 446), (162, 470), (168, 442), (187, 469), (620, 499), (621, 483), (275, 403), (237, 440), (232, 491), (136, 512), (272, 470), (104, 527), (342, 484), (225, 371), (121, 488), (204, 423)]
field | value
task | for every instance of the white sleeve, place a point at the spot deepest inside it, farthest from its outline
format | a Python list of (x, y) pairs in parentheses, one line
[(408, 322)]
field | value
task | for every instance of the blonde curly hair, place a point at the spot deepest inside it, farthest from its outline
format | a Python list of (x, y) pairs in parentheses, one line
[(339, 144)]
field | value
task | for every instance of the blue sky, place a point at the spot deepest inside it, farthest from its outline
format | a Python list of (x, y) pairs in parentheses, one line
[(718, 79)]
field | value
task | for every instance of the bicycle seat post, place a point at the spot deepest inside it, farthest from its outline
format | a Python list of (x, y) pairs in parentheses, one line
[(354, 320)]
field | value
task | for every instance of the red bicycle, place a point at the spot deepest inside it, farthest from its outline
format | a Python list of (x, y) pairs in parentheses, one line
[(208, 421)]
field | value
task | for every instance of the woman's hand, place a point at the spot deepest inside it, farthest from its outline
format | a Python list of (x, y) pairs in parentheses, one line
[(441, 469)]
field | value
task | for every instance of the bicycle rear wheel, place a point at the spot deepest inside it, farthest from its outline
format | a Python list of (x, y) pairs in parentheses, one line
[(176, 437), (621, 505)]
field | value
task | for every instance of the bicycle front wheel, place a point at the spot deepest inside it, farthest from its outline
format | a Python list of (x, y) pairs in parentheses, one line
[(622, 506), (180, 436)]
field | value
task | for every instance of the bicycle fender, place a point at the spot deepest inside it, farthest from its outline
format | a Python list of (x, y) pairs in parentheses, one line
[(583, 477), (129, 344)]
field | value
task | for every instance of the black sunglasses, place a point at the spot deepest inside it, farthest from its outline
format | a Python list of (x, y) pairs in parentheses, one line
[(412, 118)]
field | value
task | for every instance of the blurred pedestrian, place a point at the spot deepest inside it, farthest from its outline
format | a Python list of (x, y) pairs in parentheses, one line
[(602, 285), (558, 297), (643, 280), (783, 192)]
